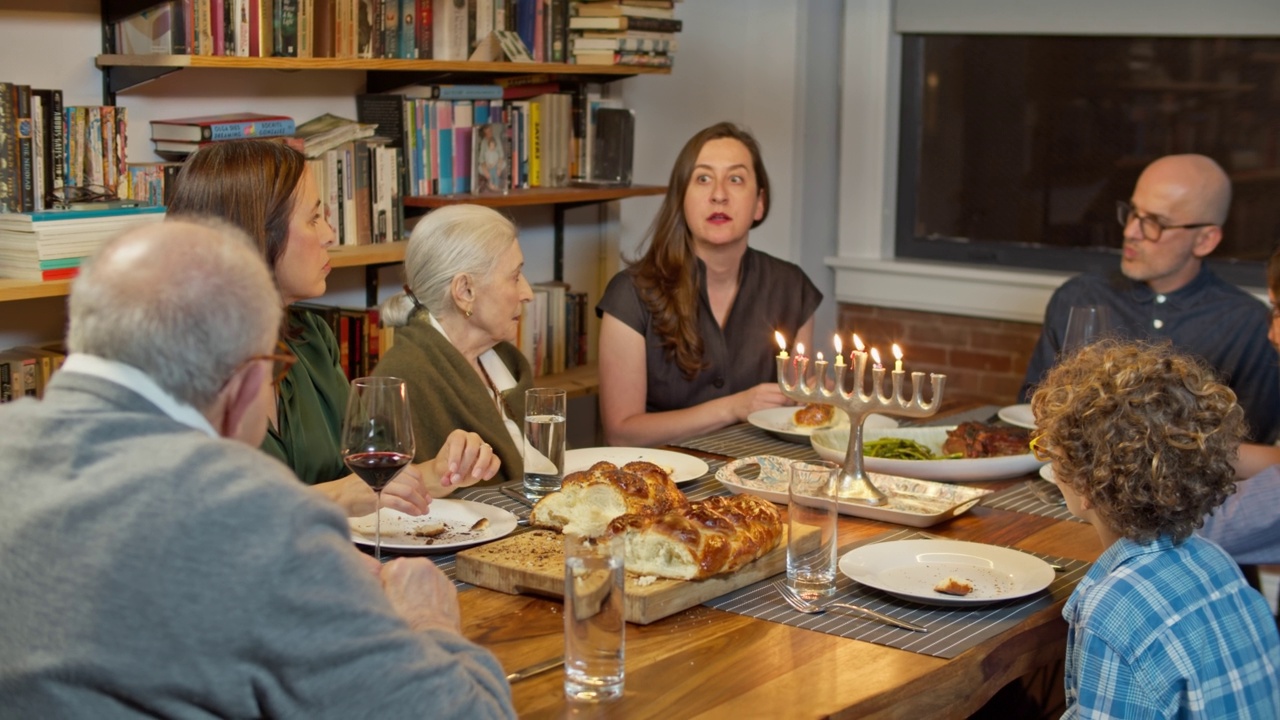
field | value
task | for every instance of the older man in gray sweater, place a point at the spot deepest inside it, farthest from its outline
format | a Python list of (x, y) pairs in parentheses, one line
[(155, 563)]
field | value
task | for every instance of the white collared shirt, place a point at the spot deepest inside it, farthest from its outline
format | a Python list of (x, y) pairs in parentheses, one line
[(134, 379)]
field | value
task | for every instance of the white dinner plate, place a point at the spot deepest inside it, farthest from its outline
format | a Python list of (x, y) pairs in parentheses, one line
[(910, 569), (458, 516), (1019, 415), (680, 466), (780, 421), (831, 444)]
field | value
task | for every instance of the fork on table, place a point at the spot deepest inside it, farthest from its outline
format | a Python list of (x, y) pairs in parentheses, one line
[(801, 604)]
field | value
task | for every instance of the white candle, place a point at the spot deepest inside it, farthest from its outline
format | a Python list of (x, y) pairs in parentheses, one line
[(897, 355), (839, 350), (875, 358), (782, 345)]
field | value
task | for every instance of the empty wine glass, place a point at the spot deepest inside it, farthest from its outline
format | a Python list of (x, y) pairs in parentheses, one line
[(377, 437), (1084, 325)]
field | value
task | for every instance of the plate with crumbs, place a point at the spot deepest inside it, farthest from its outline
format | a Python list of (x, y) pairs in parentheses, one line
[(911, 569), (916, 503), (447, 526), (780, 422)]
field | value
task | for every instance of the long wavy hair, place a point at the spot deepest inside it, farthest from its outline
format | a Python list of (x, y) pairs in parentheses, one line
[(1145, 433), (666, 274)]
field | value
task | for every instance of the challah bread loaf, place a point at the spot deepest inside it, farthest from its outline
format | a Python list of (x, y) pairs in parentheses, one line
[(709, 537), (588, 500)]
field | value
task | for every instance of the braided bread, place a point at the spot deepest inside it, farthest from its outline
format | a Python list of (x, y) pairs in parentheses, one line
[(705, 538), (589, 499)]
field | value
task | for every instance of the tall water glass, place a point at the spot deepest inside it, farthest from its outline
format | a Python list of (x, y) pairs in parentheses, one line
[(594, 628), (812, 511), (544, 438)]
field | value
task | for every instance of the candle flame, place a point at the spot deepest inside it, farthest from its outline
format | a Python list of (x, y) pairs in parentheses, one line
[(897, 352), (782, 342), (857, 343), (875, 356), (800, 349), (836, 339), (819, 356)]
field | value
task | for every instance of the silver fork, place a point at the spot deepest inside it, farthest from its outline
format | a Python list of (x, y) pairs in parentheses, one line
[(1046, 492), (806, 606)]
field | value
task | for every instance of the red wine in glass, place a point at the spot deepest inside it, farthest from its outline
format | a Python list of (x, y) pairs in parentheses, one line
[(377, 437), (377, 468)]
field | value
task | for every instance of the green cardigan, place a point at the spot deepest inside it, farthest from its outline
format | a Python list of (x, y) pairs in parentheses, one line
[(313, 399), (446, 394)]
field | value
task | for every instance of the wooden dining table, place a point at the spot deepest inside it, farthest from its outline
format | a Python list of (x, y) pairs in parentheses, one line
[(709, 663)]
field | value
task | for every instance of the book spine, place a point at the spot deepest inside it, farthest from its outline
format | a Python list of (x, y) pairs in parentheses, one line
[(391, 25), (425, 30), (466, 92), (539, 47), (286, 39), (406, 29), (247, 129), (364, 26), (385, 111), (535, 144), (26, 163), (361, 182), (306, 28), (10, 200), (6, 381), (559, 31)]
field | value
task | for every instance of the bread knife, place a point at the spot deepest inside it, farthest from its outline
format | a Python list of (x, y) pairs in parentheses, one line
[(532, 670)]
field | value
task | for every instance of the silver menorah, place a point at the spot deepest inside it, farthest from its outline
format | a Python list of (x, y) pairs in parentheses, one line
[(854, 483)]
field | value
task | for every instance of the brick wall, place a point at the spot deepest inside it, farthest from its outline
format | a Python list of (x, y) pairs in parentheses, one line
[(983, 359)]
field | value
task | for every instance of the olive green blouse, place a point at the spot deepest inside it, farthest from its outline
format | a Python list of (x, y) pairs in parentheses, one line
[(312, 400)]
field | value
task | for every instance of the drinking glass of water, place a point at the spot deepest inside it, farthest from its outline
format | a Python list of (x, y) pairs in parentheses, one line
[(594, 622), (1084, 325), (544, 439)]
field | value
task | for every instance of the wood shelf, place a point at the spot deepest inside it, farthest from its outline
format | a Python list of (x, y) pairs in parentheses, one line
[(538, 196), (180, 62), (581, 381), (122, 72)]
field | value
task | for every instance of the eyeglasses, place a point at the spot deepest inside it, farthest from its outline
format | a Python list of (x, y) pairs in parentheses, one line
[(63, 196), (282, 360), (1038, 449), (1151, 228)]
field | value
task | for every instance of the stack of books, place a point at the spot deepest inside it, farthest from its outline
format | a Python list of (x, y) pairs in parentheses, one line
[(26, 369), (176, 138), (624, 32), (51, 244)]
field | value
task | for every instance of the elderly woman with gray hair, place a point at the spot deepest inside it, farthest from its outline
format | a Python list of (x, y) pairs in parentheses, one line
[(455, 324)]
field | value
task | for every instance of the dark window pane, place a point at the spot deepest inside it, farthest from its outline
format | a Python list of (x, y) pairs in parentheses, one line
[(1016, 149)]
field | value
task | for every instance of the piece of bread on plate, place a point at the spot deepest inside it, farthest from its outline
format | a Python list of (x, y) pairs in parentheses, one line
[(814, 415), (590, 499), (705, 538)]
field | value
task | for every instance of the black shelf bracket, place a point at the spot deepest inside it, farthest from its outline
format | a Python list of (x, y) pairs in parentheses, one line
[(118, 79)]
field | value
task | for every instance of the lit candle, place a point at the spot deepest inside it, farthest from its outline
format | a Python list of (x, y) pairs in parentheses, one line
[(799, 350), (857, 344), (897, 358), (782, 345), (839, 350), (875, 358)]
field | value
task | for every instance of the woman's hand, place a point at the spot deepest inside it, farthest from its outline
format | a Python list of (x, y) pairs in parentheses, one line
[(760, 397), (464, 460)]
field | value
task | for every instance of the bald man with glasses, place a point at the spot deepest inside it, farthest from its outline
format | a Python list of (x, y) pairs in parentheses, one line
[(1163, 291)]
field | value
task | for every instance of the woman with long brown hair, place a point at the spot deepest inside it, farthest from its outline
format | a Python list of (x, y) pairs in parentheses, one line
[(264, 188), (686, 337)]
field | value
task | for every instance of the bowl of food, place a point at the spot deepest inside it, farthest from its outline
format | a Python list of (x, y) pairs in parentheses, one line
[(969, 452)]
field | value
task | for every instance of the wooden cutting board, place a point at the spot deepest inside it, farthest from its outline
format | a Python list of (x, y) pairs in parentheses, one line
[(533, 563)]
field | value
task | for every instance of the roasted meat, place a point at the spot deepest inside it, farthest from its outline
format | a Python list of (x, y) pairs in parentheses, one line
[(978, 440)]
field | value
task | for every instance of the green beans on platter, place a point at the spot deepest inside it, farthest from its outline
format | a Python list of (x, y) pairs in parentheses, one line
[(892, 448)]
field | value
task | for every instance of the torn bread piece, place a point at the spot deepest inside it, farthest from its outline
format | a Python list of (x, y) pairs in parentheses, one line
[(430, 529), (954, 586)]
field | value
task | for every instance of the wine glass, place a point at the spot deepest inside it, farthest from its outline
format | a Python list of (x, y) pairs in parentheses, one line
[(377, 437), (1084, 325)]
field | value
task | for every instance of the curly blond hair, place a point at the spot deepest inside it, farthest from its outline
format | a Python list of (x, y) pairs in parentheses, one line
[(1145, 434)]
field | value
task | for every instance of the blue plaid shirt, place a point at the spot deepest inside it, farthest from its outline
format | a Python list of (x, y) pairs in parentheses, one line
[(1159, 630)]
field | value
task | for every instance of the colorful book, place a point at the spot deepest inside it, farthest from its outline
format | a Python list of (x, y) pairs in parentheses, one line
[(227, 126)]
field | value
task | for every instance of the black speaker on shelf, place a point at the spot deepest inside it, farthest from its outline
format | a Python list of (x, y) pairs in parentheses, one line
[(614, 146)]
